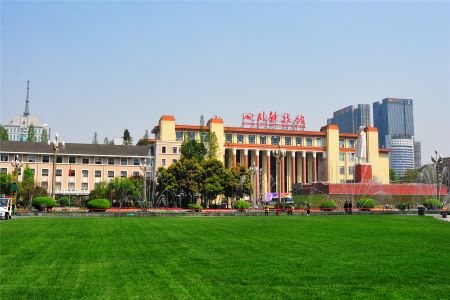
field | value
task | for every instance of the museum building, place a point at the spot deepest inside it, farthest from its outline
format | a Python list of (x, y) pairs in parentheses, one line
[(307, 156)]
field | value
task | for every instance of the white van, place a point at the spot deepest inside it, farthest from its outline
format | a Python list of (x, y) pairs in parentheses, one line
[(5, 208)]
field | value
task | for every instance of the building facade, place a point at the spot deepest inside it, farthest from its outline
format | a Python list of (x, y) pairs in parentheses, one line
[(78, 167), (395, 122), (311, 156), (394, 119), (350, 118), (401, 155)]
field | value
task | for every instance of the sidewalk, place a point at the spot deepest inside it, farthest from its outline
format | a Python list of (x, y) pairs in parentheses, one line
[(439, 217)]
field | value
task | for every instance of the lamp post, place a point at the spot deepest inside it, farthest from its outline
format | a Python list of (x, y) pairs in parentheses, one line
[(145, 167), (56, 147), (17, 164), (437, 159), (279, 154)]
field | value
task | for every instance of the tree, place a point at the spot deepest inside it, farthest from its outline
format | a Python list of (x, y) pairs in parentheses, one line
[(212, 145), (31, 133), (127, 139), (95, 139), (191, 149), (411, 176), (393, 177), (3, 134), (99, 191), (44, 136), (213, 170), (230, 183), (124, 191), (167, 184), (189, 175), (26, 187), (106, 141), (144, 140), (5, 181)]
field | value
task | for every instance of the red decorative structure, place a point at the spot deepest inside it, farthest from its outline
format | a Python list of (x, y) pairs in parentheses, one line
[(363, 173)]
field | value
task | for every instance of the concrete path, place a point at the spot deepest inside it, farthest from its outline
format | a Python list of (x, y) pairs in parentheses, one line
[(439, 217)]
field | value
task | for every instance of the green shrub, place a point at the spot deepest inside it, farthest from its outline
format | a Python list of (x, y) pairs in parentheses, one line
[(194, 206), (64, 201), (404, 205), (328, 205), (41, 202), (365, 203), (242, 204), (432, 204), (98, 204)]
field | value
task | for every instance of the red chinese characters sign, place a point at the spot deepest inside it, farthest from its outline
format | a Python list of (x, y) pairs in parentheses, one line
[(272, 120)]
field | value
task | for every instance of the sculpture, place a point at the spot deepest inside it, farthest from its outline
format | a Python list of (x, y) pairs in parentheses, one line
[(361, 152)]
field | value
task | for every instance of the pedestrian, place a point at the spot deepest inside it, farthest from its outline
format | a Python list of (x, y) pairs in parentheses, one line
[(266, 210), (346, 207), (308, 209), (289, 210), (350, 206)]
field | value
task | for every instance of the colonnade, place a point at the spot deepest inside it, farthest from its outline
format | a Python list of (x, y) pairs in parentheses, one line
[(296, 167)]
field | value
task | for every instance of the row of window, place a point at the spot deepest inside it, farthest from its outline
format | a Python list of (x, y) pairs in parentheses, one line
[(70, 186), (164, 150), (181, 135), (37, 130), (351, 156), (274, 140), (351, 170), (350, 143), (124, 161), (164, 162), (72, 173)]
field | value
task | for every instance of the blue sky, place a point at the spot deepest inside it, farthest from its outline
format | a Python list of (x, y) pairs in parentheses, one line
[(106, 66)]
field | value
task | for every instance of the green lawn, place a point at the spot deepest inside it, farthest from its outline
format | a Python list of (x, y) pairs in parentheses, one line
[(389, 257)]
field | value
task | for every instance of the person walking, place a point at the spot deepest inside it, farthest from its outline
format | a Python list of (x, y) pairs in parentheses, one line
[(346, 207), (350, 206), (308, 209), (266, 210)]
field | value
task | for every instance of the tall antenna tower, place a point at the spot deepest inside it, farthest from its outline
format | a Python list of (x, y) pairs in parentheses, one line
[(27, 102)]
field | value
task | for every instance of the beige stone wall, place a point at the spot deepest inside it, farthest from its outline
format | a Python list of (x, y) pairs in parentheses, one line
[(63, 181)]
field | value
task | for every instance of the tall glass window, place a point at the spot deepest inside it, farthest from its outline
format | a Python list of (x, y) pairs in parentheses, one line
[(251, 139), (275, 139), (179, 135), (287, 140), (298, 140), (262, 140)]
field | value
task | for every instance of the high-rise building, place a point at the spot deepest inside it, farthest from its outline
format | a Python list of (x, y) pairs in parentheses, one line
[(401, 156), (19, 126), (395, 122), (394, 118), (350, 118), (417, 154)]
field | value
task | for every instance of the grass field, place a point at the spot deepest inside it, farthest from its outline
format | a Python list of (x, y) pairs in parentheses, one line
[(390, 257)]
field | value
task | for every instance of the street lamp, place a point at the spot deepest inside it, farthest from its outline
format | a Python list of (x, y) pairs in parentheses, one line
[(56, 147), (17, 164), (279, 154), (437, 159), (145, 167)]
